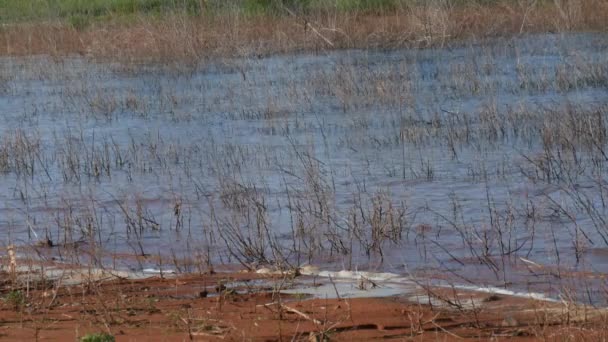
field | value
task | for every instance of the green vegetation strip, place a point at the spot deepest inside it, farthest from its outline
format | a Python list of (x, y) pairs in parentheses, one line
[(83, 11)]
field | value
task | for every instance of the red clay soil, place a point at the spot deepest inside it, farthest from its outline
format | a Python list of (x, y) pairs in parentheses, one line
[(233, 307)]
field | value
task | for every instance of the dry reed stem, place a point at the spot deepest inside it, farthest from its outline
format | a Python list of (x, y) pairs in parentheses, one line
[(185, 38), (12, 260)]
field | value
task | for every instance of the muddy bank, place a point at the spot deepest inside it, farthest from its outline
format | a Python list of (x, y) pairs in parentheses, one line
[(273, 307)]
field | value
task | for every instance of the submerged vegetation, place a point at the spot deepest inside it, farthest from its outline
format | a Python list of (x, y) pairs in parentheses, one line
[(458, 142), (471, 158)]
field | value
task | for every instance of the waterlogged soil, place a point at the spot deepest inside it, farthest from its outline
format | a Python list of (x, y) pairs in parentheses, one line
[(236, 307), (478, 163)]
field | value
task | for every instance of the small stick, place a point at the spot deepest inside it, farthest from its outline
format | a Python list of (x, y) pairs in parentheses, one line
[(446, 331), (301, 314), (314, 30), (297, 312)]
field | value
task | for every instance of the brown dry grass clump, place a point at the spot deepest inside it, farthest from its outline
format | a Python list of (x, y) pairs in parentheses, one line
[(189, 38)]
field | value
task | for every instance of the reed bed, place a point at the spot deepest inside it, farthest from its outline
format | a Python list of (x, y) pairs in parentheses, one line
[(237, 29)]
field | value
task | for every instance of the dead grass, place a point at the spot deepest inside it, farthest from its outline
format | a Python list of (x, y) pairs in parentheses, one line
[(188, 38)]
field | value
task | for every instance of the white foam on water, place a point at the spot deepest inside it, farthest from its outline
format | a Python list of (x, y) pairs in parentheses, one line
[(505, 292), (387, 284), (348, 288), (353, 284), (353, 275), (157, 271)]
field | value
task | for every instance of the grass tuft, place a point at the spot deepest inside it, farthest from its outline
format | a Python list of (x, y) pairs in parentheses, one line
[(99, 337)]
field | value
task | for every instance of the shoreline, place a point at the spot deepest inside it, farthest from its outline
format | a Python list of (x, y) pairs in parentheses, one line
[(186, 39), (231, 306)]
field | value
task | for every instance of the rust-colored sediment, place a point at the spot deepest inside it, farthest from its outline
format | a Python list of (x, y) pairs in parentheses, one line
[(190, 308)]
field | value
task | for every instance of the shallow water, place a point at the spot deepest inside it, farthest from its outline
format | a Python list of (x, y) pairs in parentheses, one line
[(417, 162)]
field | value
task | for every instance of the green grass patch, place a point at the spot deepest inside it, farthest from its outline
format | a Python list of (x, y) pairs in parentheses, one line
[(100, 337), (26, 10), (16, 298), (80, 13), (277, 7)]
